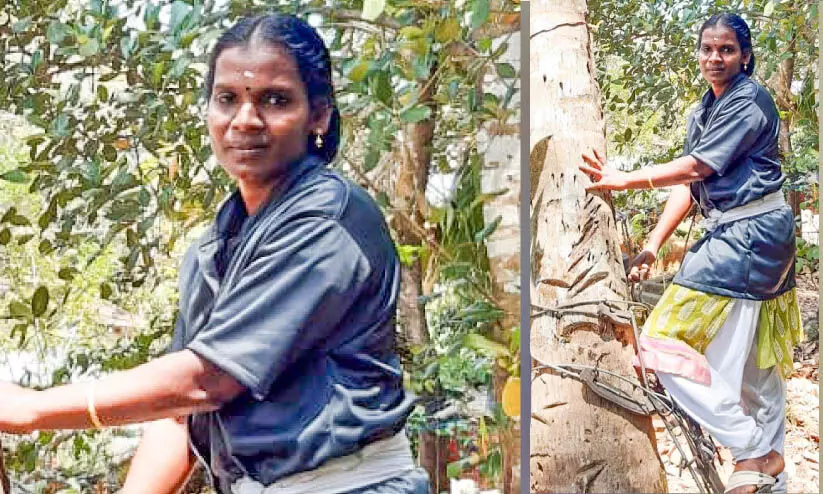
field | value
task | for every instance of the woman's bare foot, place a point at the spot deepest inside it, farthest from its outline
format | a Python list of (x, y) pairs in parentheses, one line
[(770, 464)]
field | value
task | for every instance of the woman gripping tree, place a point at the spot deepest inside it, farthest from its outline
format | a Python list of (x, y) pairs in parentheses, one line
[(720, 339)]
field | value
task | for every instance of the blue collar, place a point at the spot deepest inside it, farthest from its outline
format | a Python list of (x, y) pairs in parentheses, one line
[(708, 97), (232, 214)]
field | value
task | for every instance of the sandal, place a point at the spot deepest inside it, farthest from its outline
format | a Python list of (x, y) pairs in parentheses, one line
[(761, 481)]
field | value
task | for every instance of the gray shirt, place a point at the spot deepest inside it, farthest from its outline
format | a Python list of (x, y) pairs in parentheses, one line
[(737, 136), (298, 304)]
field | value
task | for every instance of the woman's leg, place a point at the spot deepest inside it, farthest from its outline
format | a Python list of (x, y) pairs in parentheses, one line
[(717, 407), (764, 395)]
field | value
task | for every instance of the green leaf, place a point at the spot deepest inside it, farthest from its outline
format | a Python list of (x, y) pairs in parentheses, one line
[(19, 220), (454, 469), (15, 176), (381, 87), (5, 236), (45, 247), (447, 30), (105, 291), (411, 32), (768, 9), (67, 274), (484, 345), (127, 46), (22, 329), (359, 71), (21, 26), (505, 70), (179, 11), (480, 12), (408, 254), (371, 159), (19, 310), (24, 239), (89, 48), (56, 32), (60, 126), (416, 114), (372, 9), (179, 67), (40, 301), (487, 230), (157, 72)]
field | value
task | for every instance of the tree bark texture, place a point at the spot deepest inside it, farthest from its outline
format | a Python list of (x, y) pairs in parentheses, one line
[(501, 172), (5, 486), (407, 221), (780, 84), (579, 442)]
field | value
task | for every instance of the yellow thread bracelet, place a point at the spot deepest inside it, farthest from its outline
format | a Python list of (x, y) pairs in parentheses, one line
[(95, 420)]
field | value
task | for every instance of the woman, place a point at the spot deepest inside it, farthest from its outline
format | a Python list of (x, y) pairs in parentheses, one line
[(721, 336), (282, 375)]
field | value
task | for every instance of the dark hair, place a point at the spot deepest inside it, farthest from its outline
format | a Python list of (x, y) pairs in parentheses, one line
[(741, 30), (306, 46)]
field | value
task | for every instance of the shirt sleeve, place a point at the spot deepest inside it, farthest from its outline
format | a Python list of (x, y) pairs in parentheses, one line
[(178, 337), (730, 134), (290, 297)]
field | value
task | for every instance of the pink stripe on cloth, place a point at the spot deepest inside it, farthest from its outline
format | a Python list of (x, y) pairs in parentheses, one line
[(673, 357)]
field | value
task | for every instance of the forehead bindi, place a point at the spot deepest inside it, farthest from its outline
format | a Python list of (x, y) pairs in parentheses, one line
[(719, 36), (258, 65)]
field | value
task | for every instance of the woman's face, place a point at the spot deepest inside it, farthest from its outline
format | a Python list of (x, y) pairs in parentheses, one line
[(720, 56), (259, 116)]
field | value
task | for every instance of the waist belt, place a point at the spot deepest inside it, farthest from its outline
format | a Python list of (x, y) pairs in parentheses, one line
[(376, 462), (765, 204)]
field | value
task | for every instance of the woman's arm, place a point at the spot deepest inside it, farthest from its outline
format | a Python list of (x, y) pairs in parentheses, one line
[(677, 207), (682, 170), (163, 462), (174, 385)]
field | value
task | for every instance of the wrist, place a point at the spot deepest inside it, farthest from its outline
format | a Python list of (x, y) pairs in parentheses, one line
[(28, 411), (652, 247), (625, 181)]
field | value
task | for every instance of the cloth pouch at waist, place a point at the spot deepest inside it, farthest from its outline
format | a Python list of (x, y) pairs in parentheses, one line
[(376, 462), (747, 252), (685, 321)]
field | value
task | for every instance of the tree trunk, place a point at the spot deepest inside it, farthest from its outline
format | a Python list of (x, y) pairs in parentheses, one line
[(780, 84), (409, 188), (501, 171), (579, 442), (5, 486)]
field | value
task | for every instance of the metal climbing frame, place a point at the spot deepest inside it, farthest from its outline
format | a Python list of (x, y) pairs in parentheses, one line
[(652, 399)]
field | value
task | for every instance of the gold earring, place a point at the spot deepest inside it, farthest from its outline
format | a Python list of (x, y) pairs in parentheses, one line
[(318, 141)]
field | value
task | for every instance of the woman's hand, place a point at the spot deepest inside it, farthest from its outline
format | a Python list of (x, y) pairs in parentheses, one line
[(16, 415), (641, 265), (604, 178)]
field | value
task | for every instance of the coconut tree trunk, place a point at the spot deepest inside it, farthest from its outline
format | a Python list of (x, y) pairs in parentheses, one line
[(579, 442)]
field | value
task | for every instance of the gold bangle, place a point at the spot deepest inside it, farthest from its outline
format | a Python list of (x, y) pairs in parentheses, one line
[(651, 184), (95, 420)]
